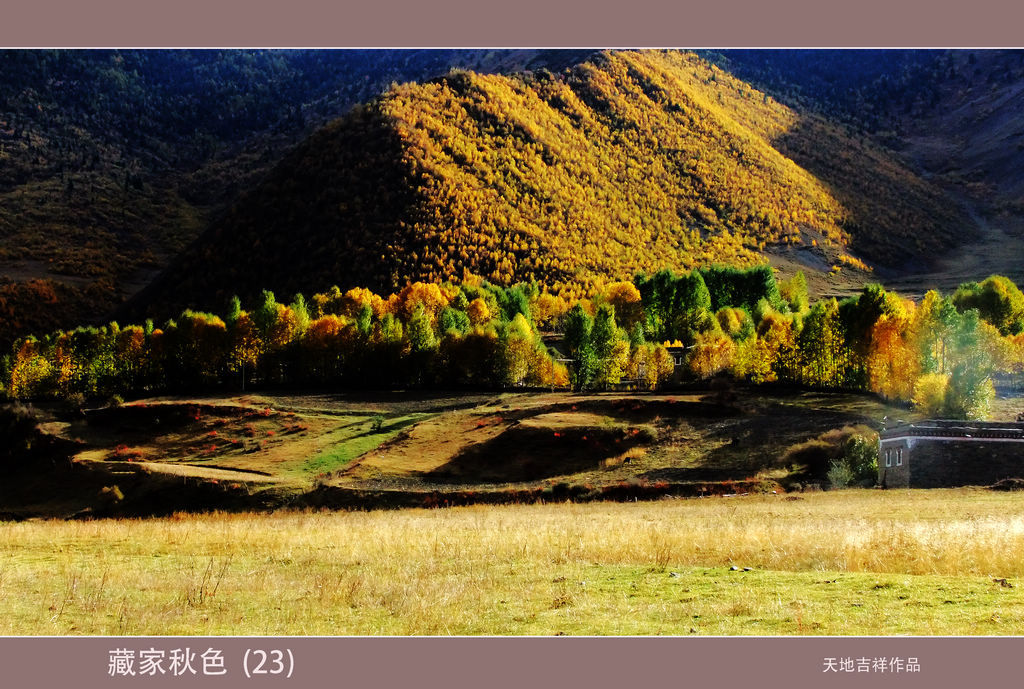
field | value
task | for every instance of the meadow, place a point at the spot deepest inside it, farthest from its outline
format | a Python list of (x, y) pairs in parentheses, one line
[(864, 562)]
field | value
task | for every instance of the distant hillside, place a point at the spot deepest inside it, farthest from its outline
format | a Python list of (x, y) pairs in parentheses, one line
[(111, 162), (631, 161), (954, 114)]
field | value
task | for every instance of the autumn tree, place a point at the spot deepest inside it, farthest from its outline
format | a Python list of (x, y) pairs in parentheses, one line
[(625, 299), (752, 360), (821, 346), (858, 316), (325, 346), (712, 353), (244, 345), (780, 350), (419, 295), (735, 322), (519, 355), (131, 351), (794, 292), (664, 364), (198, 349), (894, 363), (30, 372), (929, 396), (388, 349), (478, 311), (547, 310)]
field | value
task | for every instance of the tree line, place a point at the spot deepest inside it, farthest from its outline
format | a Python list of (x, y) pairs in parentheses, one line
[(940, 353)]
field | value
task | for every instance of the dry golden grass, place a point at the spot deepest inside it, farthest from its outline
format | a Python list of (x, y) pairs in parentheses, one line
[(857, 562), (630, 454)]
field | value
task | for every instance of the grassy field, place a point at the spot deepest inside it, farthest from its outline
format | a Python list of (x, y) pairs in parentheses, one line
[(844, 562)]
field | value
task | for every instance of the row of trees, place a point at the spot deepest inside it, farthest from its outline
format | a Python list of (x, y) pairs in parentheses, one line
[(424, 335), (941, 353)]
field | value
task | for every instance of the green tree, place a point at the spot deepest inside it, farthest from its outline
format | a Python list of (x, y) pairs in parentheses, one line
[(610, 348), (422, 343), (998, 301), (301, 312), (580, 347), (970, 392), (453, 319)]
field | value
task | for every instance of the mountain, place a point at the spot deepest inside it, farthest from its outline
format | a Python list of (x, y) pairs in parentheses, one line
[(113, 161), (954, 113), (951, 115), (633, 160)]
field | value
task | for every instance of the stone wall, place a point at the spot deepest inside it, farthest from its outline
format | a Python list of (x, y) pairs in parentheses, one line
[(936, 463)]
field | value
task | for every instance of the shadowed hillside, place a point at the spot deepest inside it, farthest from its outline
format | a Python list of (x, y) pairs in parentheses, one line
[(112, 161)]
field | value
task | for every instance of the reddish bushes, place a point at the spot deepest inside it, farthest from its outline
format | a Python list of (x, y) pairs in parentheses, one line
[(123, 453)]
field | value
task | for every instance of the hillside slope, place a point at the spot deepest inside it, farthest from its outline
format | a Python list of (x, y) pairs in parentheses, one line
[(632, 161), (112, 161), (951, 115)]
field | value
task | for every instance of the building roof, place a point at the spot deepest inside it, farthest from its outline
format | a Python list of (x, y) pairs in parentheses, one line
[(967, 430)]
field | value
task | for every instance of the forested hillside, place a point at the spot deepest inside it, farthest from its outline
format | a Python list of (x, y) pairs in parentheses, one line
[(112, 161), (953, 113), (630, 161)]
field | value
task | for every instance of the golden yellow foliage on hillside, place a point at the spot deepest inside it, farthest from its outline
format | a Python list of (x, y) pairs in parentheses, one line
[(634, 161)]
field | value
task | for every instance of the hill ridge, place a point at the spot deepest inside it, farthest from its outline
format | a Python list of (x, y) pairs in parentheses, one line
[(634, 160)]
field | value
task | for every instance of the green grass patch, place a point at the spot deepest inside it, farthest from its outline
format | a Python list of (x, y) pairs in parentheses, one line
[(357, 439), (722, 601), (184, 593)]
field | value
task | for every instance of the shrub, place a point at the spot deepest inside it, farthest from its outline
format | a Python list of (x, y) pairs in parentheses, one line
[(840, 475), (123, 453), (111, 494), (844, 456), (18, 437), (860, 454)]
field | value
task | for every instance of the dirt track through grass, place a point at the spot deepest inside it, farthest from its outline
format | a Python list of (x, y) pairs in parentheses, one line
[(855, 562)]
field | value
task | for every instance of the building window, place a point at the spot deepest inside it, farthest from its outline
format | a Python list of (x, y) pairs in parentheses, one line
[(899, 456), (888, 458)]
